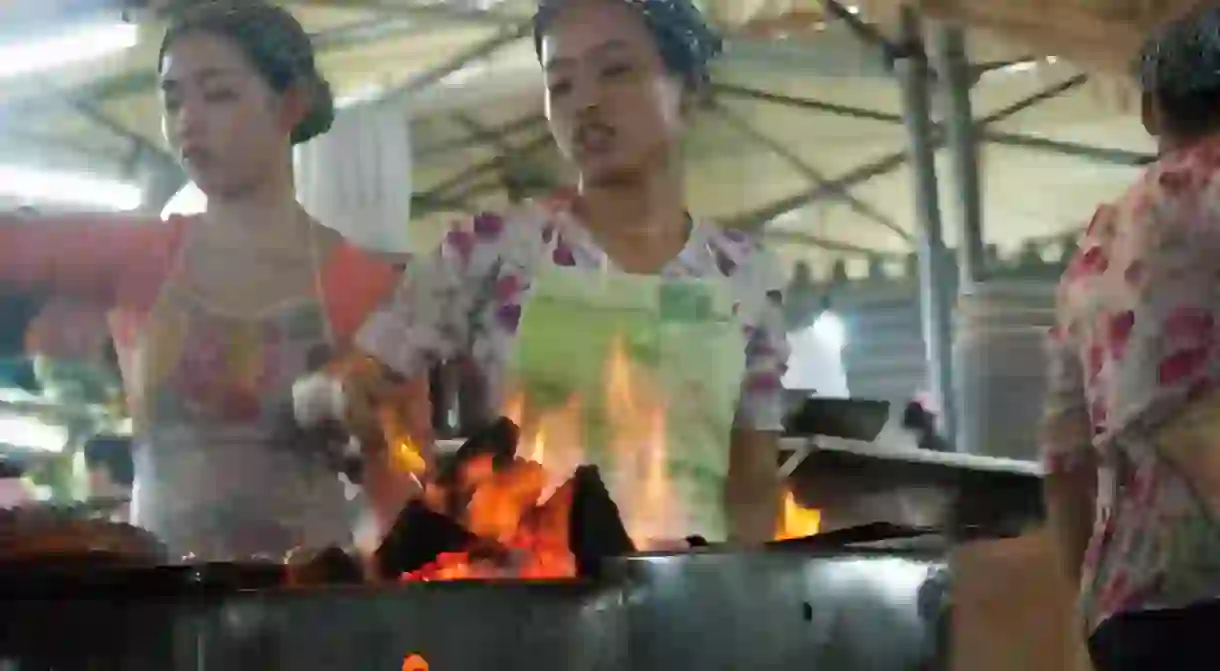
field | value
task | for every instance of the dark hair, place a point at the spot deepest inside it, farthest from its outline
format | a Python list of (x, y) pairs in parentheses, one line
[(114, 454), (1189, 114), (1178, 68), (10, 470), (686, 43), (276, 44)]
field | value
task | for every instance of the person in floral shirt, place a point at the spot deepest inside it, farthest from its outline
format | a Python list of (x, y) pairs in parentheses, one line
[(622, 80), (1132, 354)]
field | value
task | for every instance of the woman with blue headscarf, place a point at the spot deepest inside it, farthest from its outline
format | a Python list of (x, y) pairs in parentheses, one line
[(1131, 438), (535, 297)]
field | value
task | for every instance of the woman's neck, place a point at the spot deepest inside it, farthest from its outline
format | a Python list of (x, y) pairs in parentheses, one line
[(1168, 143), (266, 216), (638, 223)]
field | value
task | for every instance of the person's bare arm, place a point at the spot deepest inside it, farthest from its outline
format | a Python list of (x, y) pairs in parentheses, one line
[(752, 494), (370, 390), (427, 321), (390, 418), (77, 255), (1070, 498), (1065, 439)]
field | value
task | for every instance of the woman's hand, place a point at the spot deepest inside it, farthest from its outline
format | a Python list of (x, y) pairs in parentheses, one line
[(391, 419), (352, 390)]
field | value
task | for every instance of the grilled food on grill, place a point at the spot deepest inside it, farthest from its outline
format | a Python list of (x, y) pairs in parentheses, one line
[(43, 533)]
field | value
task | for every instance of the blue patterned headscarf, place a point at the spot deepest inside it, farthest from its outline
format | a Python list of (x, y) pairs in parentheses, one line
[(1182, 57), (687, 43)]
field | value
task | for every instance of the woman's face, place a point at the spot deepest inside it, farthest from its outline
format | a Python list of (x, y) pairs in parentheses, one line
[(223, 121), (612, 106)]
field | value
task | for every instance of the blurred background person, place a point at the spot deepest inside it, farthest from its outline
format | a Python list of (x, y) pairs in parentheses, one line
[(110, 473)]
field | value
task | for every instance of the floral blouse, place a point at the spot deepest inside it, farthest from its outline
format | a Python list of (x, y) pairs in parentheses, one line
[(467, 302), (1136, 339)]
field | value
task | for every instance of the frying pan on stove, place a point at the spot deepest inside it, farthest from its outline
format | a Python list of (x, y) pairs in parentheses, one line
[(862, 534), (850, 418)]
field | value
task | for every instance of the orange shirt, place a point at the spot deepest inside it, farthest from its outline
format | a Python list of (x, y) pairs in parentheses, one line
[(118, 264)]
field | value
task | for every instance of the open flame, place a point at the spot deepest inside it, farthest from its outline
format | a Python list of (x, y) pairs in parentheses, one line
[(796, 521), (520, 538), (526, 535), (522, 531), (637, 415)]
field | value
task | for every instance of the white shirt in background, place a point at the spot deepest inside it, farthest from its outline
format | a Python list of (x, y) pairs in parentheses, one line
[(816, 362)]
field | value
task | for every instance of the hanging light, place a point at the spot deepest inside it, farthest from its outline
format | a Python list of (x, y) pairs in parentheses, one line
[(79, 45), (46, 186), (30, 433)]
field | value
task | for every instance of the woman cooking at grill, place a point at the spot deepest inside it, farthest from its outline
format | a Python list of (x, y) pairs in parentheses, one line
[(541, 298), (215, 315)]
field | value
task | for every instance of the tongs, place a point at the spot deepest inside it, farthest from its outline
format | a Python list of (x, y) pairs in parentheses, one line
[(873, 532)]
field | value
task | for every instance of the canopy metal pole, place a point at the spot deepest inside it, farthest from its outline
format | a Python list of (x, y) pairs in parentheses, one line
[(914, 75), (955, 80)]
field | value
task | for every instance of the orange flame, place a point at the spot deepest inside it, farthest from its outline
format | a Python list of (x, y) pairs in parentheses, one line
[(637, 414), (505, 504), (406, 457), (504, 509), (796, 521)]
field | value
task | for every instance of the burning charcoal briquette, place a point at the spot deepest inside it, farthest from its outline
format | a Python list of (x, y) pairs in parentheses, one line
[(499, 439), (596, 530), (418, 537)]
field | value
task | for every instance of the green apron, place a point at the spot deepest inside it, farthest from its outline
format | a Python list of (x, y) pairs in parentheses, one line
[(651, 368)]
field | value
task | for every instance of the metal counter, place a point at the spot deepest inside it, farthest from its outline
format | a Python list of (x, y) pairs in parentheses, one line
[(842, 611), (777, 609), (509, 626)]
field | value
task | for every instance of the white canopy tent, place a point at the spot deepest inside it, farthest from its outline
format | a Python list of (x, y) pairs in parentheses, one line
[(801, 103)]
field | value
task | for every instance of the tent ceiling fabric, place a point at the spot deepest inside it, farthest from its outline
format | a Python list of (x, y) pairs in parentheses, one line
[(1102, 33), (800, 100)]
